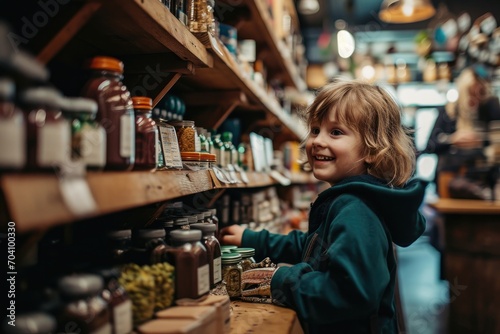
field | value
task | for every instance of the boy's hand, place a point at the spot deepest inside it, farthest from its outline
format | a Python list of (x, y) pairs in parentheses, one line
[(231, 235)]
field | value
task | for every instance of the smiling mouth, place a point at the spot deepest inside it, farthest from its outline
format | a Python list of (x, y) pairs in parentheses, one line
[(323, 158)]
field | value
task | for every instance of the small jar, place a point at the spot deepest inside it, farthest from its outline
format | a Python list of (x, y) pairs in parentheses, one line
[(84, 310), (146, 134), (246, 257), (118, 243), (231, 273), (213, 250), (191, 160), (31, 323), (190, 259), (167, 224), (120, 305), (186, 135)]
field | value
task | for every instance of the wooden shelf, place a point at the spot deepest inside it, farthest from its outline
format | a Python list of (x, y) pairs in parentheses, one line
[(38, 201)]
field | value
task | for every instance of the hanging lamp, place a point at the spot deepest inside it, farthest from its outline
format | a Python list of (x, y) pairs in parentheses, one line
[(406, 11)]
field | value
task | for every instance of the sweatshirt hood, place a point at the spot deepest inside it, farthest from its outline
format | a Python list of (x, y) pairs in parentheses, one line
[(398, 208)]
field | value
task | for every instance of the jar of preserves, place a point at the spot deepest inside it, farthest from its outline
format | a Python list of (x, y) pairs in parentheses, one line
[(146, 134), (231, 273), (49, 132), (115, 112), (190, 259), (186, 135), (213, 250), (84, 310), (88, 142), (12, 129), (246, 257)]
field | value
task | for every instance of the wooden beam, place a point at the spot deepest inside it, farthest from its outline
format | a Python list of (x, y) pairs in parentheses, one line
[(65, 34)]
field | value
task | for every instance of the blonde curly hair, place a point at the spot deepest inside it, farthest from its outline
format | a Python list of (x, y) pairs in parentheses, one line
[(372, 112)]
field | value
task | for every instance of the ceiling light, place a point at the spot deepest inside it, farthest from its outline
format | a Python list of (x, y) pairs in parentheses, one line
[(308, 7), (406, 11)]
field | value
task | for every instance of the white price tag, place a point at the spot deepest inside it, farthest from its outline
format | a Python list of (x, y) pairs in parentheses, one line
[(77, 196)]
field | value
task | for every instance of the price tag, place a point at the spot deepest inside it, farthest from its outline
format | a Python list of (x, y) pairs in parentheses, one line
[(77, 196)]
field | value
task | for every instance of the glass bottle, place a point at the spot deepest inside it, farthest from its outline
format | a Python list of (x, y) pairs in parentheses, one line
[(231, 273), (213, 250), (227, 138), (49, 132), (146, 134), (220, 151), (12, 129), (115, 112), (84, 310), (88, 136), (190, 259)]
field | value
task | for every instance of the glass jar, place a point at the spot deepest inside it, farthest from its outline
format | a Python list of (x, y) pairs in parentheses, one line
[(118, 243), (84, 310), (149, 250), (12, 129), (191, 160), (246, 257), (213, 250), (116, 111), (146, 134), (120, 305), (197, 15), (49, 132), (186, 135), (190, 259), (231, 273), (88, 136), (31, 323)]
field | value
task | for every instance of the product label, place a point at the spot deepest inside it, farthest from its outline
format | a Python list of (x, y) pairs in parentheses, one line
[(93, 146), (122, 318), (203, 279), (54, 144), (127, 135), (13, 142), (217, 270)]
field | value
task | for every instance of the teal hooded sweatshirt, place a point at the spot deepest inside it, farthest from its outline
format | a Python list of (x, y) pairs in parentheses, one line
[(342, 273)]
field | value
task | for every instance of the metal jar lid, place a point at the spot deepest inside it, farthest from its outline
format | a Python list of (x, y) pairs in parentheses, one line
[(230, 258), (80, 285), (185, 235), (245, 252), (205, 228)]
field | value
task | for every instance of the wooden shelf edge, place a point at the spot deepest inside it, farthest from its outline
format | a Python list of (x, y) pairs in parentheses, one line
[(466, 206), (35, 201)]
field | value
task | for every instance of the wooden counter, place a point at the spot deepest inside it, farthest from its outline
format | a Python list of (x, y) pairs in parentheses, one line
[(472, 263), (263, 318)]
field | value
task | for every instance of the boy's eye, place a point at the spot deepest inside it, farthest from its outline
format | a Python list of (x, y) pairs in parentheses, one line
[(314, 131), (336, 132)]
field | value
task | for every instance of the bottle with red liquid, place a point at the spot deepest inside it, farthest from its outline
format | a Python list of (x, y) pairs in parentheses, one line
[(115, 112), (146, 134)]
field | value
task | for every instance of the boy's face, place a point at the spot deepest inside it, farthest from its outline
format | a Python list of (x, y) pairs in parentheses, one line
[(334, 151)]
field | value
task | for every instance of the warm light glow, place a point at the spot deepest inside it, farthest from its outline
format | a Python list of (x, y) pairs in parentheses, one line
[(346, 43), (406, 11), (368, 72)]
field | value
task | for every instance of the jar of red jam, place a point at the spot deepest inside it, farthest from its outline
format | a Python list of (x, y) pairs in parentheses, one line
[(146, 134), (115, 112)]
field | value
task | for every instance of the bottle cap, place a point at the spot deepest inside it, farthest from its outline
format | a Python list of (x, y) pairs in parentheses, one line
[(106, 63), (142, 102)]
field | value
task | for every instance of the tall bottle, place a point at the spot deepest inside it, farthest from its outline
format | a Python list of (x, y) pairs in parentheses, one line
[(115, 113), (146, 134)]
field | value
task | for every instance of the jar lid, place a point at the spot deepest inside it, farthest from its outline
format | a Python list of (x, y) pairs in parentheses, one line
[(207, 157), (228, 247), (192, 219), (106, 63), (79, 104), (207, 214), (162, 222), (182, 123), (149, 233), (185, 235), (181, 221), (245, 252), (80, 285), (32, 323), (142, 102), (120, 234), (205, 228), (230, 258), (190, 156), (42, 96), (7, 88)]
